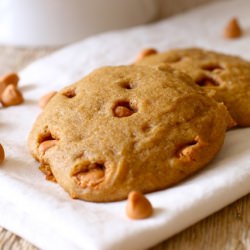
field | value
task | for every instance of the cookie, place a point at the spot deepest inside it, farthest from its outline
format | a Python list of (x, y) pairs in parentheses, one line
[(226, 78), (127, 128)]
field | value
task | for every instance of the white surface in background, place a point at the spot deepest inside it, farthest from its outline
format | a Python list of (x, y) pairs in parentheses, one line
[(56, 22), (44, 214), (168, 8)]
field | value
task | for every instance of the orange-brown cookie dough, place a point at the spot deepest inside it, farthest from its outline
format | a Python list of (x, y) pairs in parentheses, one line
[(226, 78), (127, 128)]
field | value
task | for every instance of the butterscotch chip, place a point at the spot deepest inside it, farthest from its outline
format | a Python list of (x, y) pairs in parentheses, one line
[(45, 99), (3, 85), (11, 96), (123, 109), (46, 145), (166, 129), (225, 78), (89, 176), (146, 52), (2, 154), (48, 173), (11, 78), (232, 29), (138, 206)]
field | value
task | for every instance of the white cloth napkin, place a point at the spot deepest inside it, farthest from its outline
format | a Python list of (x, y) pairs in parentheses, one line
[(43, 213)]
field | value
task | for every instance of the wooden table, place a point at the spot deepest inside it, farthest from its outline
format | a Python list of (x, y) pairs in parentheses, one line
[(227, 229)]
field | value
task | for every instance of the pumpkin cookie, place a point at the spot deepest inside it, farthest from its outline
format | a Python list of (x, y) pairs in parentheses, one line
[(225, 78), (127, 128)]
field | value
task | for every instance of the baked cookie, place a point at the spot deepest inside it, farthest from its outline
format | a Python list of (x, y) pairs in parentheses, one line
[(225, 78), (127, 128)]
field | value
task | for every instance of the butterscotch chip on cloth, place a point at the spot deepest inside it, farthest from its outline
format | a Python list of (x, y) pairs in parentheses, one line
[(232, 29), (11, 96), (127, 128), (226, 78), (6, 80), (138, 206)]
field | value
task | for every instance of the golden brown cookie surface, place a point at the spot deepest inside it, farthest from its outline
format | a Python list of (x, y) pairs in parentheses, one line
[(127, 128), (225, 78)]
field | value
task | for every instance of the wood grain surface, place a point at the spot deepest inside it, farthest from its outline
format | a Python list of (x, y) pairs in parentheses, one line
[(228, 229)]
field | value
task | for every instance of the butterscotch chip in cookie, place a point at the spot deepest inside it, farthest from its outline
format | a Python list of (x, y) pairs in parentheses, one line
[(47, 171), (232, 29), (146, 52), (226, 78), (127, 128), (46, 145)]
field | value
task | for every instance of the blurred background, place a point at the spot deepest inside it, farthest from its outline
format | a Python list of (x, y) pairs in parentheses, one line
[(59, 22)]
